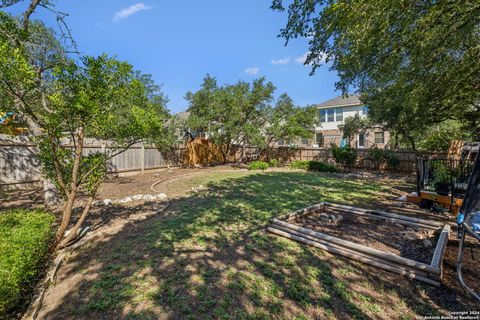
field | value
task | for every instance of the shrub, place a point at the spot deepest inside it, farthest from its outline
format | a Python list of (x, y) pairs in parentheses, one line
[(321, 166), (299, 164), (24, 239), (379, 157), (441, 172), (258, 165), (392, 160), (343, 155), (376, 155), (313, 166), (273, 163)]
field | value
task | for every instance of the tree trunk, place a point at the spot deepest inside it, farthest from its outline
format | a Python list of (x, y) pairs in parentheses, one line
[(412, 143), (72, 194), (73, 232), (225, 153)]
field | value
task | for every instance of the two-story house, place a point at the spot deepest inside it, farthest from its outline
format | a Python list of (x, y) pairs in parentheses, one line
[(332, 113)]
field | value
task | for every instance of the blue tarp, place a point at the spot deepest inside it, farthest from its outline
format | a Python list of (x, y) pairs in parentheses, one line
[(476, 222), (5, 117)]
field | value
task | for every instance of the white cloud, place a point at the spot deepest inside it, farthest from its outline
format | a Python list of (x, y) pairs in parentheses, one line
[(252, 71), (280, 61), (125, 13), (303, 58)]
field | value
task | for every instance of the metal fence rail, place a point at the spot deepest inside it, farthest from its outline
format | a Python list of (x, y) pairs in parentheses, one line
[(449, 174)]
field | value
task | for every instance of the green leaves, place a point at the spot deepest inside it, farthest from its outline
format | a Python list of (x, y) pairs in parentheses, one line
[(353, 125), (243, 114), (288, 122), (231, 113), (415, 63), (105, 98)]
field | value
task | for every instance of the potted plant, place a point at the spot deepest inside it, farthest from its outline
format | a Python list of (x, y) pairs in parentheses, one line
[(441, 178)]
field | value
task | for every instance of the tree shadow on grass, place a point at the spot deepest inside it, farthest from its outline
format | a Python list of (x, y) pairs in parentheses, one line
[(209, 257)]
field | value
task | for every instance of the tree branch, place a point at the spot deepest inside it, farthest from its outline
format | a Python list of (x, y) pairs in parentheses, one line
[(26, 15)]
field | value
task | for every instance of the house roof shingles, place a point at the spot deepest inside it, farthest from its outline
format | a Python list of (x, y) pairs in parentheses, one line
[(182, 115), (341, 101)]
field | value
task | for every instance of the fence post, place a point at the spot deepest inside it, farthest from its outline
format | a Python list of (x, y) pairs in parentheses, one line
[(300, 154), (142, 158)]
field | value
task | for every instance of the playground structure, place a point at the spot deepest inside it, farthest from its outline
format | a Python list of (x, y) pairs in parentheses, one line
[(8, 124), (442, 182)]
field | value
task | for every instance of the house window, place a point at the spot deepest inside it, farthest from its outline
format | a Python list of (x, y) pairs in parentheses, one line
[(361, 140), (330, 115), (304, 141), (365, 110), (379, 137), (319, 139), (281, 142), (322, 115), (339, 114)]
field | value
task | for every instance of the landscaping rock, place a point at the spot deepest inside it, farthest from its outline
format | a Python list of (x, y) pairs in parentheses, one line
[(410, 235), (149, 197), (323, 215), (125, 200), (107, 202), (137, 197), (427, 243), (162, 196), (198, 188)]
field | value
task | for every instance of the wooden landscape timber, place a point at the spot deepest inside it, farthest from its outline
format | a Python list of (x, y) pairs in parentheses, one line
[(428, 273), (446, 202)]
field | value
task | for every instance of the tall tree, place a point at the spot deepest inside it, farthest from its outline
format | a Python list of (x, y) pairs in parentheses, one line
[(31, 41), (100, 98), (288, 122), (231, 114), (414, 62)]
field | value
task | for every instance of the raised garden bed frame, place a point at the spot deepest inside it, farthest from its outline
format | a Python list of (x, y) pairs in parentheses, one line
[(428, 273)]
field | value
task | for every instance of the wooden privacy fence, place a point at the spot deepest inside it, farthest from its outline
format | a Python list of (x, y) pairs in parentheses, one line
[(19, 163), (406, 159)]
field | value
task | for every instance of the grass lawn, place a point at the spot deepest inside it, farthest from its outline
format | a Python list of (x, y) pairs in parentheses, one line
[(24, 239), (210, 257)]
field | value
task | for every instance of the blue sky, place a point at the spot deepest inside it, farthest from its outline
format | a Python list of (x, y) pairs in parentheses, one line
[(180, 41)]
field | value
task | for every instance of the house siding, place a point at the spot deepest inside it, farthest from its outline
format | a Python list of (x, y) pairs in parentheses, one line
[(332, 134)]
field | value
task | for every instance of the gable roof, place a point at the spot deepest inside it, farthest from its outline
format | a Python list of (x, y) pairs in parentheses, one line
[(341, 101), (182, 115)]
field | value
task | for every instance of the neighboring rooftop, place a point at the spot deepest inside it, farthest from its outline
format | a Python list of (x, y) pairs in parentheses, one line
[(341, 101), (182, 115)]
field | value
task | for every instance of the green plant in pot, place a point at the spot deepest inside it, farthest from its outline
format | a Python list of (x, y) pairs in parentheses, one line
[(441, 178)]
